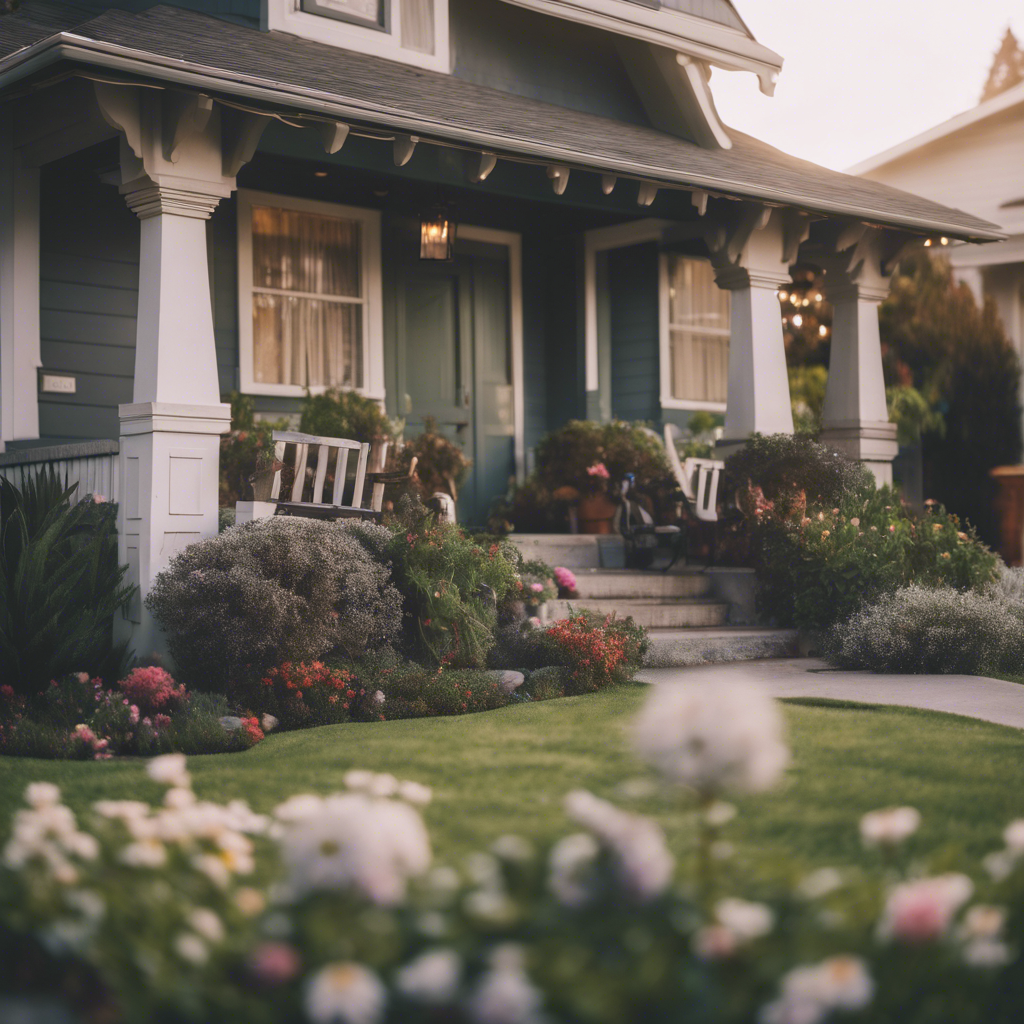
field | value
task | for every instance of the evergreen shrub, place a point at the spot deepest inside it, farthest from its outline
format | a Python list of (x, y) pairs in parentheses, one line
[(275, 590)]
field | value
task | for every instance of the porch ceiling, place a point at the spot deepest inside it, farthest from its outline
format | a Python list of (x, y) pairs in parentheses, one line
[(289, 74)]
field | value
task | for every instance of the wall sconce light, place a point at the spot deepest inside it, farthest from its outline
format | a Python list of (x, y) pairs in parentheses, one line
[(437, 234)]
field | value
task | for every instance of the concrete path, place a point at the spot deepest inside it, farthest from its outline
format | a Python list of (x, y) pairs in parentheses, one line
[(991, 700)]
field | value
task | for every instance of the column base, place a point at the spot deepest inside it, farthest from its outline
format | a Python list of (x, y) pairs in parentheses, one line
[(170, 460), (872, 443)]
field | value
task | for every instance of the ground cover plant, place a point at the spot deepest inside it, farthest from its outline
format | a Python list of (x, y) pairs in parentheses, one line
[(617, 922), (60, 583)]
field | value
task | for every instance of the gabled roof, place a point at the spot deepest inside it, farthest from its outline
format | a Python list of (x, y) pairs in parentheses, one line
[(990, 108), (289, 74)]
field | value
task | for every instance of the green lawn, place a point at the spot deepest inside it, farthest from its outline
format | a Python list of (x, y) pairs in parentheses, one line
[(506, 771)]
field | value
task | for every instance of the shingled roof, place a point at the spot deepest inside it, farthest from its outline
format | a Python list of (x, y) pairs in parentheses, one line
[(172, 44)]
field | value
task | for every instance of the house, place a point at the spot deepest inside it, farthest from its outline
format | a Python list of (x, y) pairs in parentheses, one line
[(972, 162), (218, 194)]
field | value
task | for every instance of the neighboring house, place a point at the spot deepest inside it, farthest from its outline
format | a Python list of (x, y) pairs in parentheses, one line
[(974, 162), (241, 198)]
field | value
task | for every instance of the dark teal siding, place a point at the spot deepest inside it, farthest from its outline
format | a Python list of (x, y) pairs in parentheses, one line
[(633, 307), (89, 278)]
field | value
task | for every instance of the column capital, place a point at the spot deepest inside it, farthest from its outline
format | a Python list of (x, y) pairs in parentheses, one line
[(732, 277), (173, 417), (858, 269), (146, 198)]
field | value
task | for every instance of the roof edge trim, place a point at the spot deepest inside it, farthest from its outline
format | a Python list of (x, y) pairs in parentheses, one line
[(69, 46)]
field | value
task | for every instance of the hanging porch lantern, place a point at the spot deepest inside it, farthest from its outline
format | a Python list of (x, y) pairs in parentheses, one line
[(437, 234)]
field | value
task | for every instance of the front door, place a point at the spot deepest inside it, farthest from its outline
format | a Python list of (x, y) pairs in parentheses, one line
[(455, 364)]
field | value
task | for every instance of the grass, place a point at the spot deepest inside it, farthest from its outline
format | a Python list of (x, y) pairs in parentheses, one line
[(507, 770)]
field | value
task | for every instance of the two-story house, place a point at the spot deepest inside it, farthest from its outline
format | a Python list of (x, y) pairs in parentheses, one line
[(498, 213)]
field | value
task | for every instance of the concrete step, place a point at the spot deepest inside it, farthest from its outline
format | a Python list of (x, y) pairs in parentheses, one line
[(679, 613), (672, 648), (572, 550), (624, 583)]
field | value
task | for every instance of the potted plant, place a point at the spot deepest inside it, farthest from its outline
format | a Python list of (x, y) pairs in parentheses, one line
[(596, 508)]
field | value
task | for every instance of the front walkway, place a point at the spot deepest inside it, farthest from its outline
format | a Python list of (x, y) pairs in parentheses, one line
[(990, 700)]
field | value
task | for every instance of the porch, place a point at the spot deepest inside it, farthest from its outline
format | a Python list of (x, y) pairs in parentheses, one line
[(600, 270)]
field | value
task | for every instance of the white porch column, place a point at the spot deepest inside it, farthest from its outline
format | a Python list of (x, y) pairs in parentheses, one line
[(752, 265), (855, 416), (172, 174), (19, 291)]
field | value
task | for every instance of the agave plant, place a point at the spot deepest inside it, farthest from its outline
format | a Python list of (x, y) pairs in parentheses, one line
[(60, 584)]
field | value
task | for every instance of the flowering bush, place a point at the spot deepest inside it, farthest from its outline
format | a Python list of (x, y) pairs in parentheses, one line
[(275, 590), (452, 586), (565, 579), (300, 695), (153, 689), (414, 692), (329, 909), (817, 565), (596, 653)]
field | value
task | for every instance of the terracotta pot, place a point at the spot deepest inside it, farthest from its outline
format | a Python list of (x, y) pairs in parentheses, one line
[(595, 513)]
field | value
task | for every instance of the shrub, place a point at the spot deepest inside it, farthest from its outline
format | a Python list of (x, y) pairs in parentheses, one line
[(441, 464), (452, 586), (60, 584), (784, 466), (415, 692), (301, 695), (932, 630), (596, 654), (818, 566), (520, 647), (153, 689), (347, 414), (546, 683), (248, 448), (274, 590)]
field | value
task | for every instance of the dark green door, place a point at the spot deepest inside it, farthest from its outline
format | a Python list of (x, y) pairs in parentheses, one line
[(455, 365)]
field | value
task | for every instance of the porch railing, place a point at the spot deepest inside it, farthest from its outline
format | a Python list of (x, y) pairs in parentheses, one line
[(93, 465)]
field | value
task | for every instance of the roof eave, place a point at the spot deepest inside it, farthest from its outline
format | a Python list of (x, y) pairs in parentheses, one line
[(71, 47)]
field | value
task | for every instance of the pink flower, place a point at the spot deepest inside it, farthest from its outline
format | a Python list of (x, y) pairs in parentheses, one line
[(537, 588), (565, 578), (599, 469), (274, 963), (921, 910)]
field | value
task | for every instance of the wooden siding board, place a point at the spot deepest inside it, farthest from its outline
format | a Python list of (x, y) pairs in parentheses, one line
[(87, 328), (634, 322)]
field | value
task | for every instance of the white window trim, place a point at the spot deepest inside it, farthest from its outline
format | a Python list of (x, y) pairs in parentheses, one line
[(514, 242), (373, 306), (668, 400), (287, 16)]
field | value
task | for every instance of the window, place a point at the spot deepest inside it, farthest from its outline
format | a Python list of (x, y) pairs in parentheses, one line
[(411, 31), (696, 346), (309, 296)]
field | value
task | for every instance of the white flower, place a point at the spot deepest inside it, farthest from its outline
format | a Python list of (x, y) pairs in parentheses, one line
[(1013, 836), (746, 920), (214, 868), (712, 738), (191, 949), (983, 922), (350, 840), (810, 993), (921, 910), (513, 848), (719, 813), (645, 866), (987, 953), (379, 698), (345, 993), (358, 778), (169, 770), (178, 797), (505, 994), (415, 793), (146, 853), (250, 901), (1000, 864), (42, 794), (819, 883), (125, 809), (206, 923), (268, 723), (433, 977), (570, 863), (889, 827)]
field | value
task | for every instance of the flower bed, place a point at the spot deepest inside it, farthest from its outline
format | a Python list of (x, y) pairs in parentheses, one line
[(330, 908)]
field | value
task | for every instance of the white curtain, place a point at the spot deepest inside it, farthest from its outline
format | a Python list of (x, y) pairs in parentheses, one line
[(418, 25), (699, 332), (307, 301)]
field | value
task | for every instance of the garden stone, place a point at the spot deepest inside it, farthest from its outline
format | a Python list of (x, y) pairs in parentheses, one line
[(231, 723), (508, 680)]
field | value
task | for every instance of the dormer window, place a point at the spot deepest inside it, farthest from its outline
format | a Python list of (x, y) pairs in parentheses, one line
[(410, 31)]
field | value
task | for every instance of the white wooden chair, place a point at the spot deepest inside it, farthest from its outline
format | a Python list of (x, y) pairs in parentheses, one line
[(338, 450), (698, 479)]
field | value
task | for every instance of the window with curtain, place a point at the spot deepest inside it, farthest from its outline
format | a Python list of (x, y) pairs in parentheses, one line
[(309, 298), (698, 332), (416, 16)]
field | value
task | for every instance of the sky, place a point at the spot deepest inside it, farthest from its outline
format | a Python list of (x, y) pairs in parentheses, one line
[(862, 75)]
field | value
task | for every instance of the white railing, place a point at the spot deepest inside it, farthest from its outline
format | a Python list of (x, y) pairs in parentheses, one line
[(93, 465)]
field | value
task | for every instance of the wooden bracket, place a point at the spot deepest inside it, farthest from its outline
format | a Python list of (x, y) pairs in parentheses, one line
[(334, 135), (700, 201), (184, 114), (405, 146), (559, 175), (608, 182), (484, 163), (119, 105), (647, 193), (240, 135)]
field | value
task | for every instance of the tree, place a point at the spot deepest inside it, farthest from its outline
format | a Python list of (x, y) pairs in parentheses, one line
[(1007, 68), (935, 338)]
